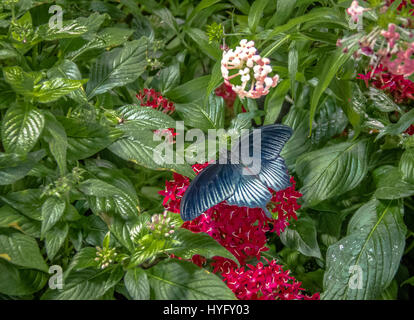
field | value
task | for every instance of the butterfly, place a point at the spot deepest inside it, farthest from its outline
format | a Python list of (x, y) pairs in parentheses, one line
[(229, 182)]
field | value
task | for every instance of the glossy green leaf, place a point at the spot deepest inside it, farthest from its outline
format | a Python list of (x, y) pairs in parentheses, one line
[(189, 244), (406, 165), (363, 264), (20, 282), (118, 67), (145, 118), (21, 250), (301, 235), (87, 284), (137, 284), (52, 211), (332, 171), (9, 217), (20, 169), (255, 13), (54, 239), (182, 280), (21, 128)]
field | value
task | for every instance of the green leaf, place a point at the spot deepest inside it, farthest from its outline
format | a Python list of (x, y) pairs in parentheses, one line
[(21, 128), (72, 28), (7, 95), (406, 165), (329, 122), (169, 77), (374, 243), (20, 282), (201, 39), (299, 143), (98, 188), (54, 239), (317, 16), (215, 79), (86, 284), (139, 147), (118, 67), (255, 13), (201, 115), (397, 128), (381, 100), (190, 243), (21, 82), (182, 280), (113, 192), (293, 60), (51, 90), (55, 135), (390, 184), (331, 67), (69, 70), (145, 117), (274, 102), (283, 11), (52, 211), (137, 284), (21, 250), (12, 218), (84, 258), (332, 171), (20, 169), (189, 91), (244, 120), (301, 235), (85, 138), (107, 38)]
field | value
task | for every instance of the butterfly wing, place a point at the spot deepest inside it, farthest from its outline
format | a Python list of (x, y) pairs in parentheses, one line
[(214, 184), (219, 182)]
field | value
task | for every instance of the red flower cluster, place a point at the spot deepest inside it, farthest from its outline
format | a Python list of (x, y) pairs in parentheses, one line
[(400, 88), (225, 91), (410, 130), (153, 99), (403, 3), (242, 231), (265, 283)]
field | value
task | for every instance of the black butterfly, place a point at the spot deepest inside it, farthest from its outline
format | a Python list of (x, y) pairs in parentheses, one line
[(226, 182)]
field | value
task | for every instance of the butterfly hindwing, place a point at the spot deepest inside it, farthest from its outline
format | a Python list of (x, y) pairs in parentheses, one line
[(250, 192), (274, 174)]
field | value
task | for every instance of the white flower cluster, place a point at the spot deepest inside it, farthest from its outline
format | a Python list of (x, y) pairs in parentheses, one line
[(105, 256), (160, 224), (245, 60), (355, 11)]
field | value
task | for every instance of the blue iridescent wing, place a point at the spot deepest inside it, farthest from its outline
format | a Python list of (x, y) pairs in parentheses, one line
[(213, 185), (252, 190), (219, 182)]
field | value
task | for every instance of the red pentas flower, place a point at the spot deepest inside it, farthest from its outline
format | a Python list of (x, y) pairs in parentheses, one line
[(261, 282), (399, 87), (225, 91), (410, 130), (153, 99), (240, 230), (403, 3)]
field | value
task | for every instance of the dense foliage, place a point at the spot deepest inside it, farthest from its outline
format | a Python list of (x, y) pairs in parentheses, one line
[(80, 190)]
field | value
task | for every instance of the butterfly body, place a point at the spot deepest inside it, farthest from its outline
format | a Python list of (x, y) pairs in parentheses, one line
[(240, 183)]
